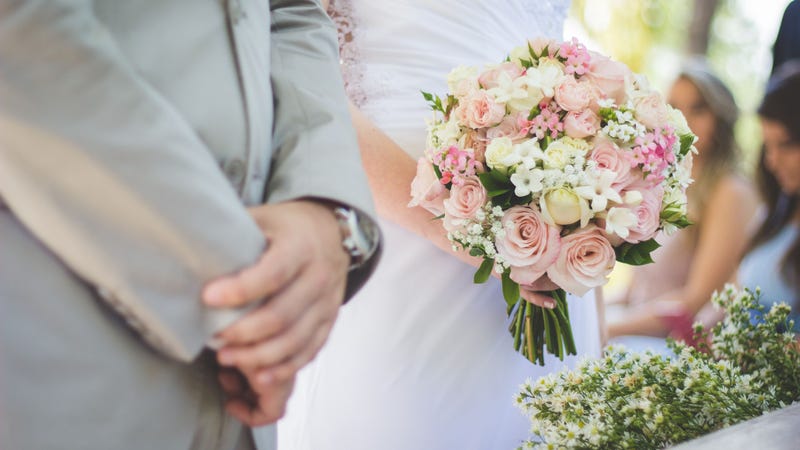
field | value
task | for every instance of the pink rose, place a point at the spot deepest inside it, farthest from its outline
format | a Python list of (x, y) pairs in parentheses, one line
[(581, 124), (585, 261), (488, 79), (426, 190), (572, 95), (608, 156), (529, 245), (476, 140), (651, 110), (609, 76), (648, 211), (465, 200), (511, 127), (479, 110)]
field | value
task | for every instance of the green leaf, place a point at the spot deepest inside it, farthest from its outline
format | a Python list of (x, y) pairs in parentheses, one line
[(686, 143), (510, 288), (535, 111), (495, 181), (437, 172), (476, 251), (484, 271), (427, 95), (636, 254)]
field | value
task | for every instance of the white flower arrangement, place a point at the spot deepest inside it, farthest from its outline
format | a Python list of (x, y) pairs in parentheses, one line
[(749, 364)]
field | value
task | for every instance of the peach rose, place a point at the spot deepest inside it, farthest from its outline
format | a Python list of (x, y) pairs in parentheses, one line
[(609, 76), (426, 190), (572, 95), (511, 127), (581, 124), (476, 140), (651, 110), (465, 200), (488, 79), (529, 245), (585, 261), (479, 110), (608, 156), (648, 211)]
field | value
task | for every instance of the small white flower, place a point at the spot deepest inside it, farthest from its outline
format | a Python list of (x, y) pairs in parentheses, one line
[(599, 190), (527, 181), (619, 221)]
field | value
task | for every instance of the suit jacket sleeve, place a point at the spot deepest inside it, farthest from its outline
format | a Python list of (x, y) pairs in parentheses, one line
[(315, 150), (97, 165)]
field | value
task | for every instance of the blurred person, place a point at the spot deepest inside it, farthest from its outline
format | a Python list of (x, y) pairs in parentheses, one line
[(772, 259), (787, 42), (665, 298)]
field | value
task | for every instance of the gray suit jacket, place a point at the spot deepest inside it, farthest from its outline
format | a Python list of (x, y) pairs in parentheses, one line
[(133, 134)]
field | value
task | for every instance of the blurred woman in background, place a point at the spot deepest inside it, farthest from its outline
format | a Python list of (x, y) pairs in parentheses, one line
[(772, 261), (665, 298)]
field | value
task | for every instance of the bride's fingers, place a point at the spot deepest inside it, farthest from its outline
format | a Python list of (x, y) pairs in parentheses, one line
[(538, 298)]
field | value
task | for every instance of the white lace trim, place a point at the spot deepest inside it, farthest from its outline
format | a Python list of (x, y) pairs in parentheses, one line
[(341, 12)]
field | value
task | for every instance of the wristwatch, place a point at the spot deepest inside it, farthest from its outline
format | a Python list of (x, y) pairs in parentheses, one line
[(360, 235)]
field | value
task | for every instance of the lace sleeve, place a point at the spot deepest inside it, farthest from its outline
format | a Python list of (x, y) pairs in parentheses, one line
[(341, 12)]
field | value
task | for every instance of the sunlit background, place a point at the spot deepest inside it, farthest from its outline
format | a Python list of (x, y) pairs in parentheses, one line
[(654, 37)]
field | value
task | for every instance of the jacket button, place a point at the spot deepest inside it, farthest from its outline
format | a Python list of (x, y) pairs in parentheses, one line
[(234, 170)]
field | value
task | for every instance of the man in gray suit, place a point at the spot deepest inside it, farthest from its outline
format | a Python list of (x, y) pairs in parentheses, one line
[(146, 150)]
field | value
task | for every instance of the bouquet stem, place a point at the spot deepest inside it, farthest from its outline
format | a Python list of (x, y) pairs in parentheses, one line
[(535, 328)]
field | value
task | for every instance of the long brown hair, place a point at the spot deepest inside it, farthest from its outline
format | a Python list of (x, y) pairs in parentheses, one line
[(780, 105), (722, 155)]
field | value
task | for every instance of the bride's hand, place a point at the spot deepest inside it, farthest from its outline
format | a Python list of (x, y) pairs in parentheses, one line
[(536, 293)]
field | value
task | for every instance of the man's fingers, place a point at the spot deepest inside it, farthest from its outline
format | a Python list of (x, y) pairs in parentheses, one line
[(288, 369), (278, 348), (276, 315), (276, 268), (231, 382)]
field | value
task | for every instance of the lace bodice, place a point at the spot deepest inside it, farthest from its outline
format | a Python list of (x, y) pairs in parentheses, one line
[(353, 19)]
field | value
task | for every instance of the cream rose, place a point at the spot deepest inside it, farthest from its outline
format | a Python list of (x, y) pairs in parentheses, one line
[(581, 124), (585, 261), (529, 244), (479, 110), (651, 110), (498, 153), (562, 206), (426, 190), (465, 200)]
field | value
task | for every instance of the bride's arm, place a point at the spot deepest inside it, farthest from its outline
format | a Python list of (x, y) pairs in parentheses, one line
[(389, 172)]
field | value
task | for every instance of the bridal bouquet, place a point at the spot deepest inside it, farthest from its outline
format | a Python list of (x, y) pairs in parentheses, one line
[(557, 162), (744, 368)]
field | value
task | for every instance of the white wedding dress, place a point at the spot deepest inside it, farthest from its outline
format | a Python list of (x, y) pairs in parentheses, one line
[(421, 358)]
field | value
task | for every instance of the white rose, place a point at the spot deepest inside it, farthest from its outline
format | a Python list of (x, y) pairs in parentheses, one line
[(675, 117), (498, 153), (462, 80), (564, 151)]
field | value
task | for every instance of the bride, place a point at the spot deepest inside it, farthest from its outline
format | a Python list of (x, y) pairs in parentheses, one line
[(421, 358)]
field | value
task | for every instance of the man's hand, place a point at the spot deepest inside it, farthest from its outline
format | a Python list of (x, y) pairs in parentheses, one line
[(253, 408), (301, 277)]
